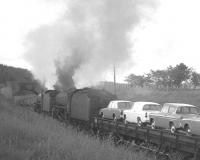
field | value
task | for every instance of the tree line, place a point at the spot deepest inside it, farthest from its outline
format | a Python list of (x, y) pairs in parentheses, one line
[(23, 77), (173, 77)]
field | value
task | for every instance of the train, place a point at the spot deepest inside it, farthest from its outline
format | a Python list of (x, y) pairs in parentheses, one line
[(81, 106)]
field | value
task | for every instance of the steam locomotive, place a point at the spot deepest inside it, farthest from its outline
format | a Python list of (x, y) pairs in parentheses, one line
[(74, 104)]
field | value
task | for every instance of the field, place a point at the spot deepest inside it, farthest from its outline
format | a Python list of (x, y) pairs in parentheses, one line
[(25, 135), (160, 96)]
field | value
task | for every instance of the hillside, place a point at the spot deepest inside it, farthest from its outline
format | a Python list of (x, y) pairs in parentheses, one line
[(25, 135), (8, 73), (15, 80)]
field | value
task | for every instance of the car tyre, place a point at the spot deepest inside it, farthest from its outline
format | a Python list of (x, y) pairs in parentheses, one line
[(101, 115), (124, 120), (153, 124), (114, 117), (172, 128), (187, 129), (139, 122)]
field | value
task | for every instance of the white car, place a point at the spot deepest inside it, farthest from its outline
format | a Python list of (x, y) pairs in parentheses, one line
[(140, 111), (115, 109)]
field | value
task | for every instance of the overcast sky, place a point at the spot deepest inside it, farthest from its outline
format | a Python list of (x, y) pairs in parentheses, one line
[(169, 37)]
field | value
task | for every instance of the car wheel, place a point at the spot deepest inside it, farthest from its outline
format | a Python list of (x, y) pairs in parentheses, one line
[(114, 117), (187, 129), (139, 122), (153, 124), (172, 128), (124, 120), (101, 115)]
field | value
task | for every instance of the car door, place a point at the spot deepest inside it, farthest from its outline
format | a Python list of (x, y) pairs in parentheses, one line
[(128, 113), (107, 111), (122, 107), (112, 109), (160, 118), (172, 116), (185, 112), (116, 110), (181, 112), (139, 113), (133, 113)]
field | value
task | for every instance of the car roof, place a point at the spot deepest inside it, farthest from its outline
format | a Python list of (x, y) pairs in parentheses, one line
[(120, 101), (180, 104), (143, 103)]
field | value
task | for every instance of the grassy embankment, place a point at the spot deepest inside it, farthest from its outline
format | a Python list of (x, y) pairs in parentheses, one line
[(160, 96), (25, 135)]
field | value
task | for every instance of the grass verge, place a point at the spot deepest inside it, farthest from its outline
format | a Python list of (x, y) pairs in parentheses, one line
[(25, 135)]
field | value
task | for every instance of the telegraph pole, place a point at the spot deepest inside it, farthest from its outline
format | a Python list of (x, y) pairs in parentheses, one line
[(115, 90)]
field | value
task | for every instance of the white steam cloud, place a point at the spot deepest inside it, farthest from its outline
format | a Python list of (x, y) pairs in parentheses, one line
[(85, 43)]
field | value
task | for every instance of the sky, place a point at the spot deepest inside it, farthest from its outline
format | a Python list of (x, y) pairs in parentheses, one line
[(17, 19), (169, 36)]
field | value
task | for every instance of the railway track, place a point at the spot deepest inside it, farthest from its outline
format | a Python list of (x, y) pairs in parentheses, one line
[(177, 146)]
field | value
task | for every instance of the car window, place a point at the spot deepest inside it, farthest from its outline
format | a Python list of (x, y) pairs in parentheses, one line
[(110, 105), (125, 105), (115, 105), (172, 109), (165, 109), (194, 110), (179, 111), (185, 110), (153, 107)]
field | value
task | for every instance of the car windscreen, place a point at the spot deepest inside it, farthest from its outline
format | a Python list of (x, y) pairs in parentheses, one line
[(152, 107), (125, 105)]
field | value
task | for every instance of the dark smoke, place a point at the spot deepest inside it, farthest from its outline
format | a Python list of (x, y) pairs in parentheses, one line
[(83, 45), (65, 73)]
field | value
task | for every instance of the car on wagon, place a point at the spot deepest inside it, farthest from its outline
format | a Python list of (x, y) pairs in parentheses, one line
[(115, 109), (140, 111), (173, 116), (191, 125)]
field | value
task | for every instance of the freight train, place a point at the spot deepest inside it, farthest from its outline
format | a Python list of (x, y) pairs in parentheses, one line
[(82, 106)]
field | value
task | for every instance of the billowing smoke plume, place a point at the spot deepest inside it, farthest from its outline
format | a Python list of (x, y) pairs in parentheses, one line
[(80, 47)]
